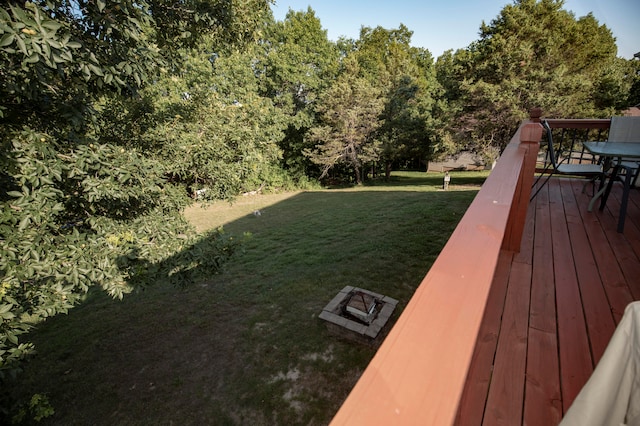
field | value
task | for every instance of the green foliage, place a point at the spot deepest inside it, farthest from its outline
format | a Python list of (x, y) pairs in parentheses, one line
[(37, 409), (58, 56), (299, 63), (55, 58), (412, 127), (84, 203), (350, 112), (96, 215), (212, 118), (534, 54), (616, 84), (378, 49), (231, 23), (633, 79)]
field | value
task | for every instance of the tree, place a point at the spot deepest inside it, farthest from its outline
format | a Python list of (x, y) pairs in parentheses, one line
[(633, 79), (406, 77), (210, 114), (300, 63), (534, 54), (618, 85), (349, 111), (78, 210)]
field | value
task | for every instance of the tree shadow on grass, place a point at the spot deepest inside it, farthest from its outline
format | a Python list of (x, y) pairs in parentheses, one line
[(245, 345)]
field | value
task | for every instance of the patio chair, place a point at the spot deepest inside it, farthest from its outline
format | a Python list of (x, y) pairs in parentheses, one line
[(626, 129), (562, 167)]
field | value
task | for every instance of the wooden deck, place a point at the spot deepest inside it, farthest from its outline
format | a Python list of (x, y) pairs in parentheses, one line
[(561, 298)]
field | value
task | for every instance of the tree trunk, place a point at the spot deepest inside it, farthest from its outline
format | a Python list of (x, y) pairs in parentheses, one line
[(387, 170), (358, 177)]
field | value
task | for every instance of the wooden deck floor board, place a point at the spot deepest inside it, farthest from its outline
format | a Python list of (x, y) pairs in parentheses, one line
[(601, 229), (543, 300), (506, 393), (598, 317), (542, 403), (626, 248), (575, 354), (573, 278)]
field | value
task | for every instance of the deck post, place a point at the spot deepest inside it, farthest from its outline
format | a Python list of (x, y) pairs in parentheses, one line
[(530, 135)]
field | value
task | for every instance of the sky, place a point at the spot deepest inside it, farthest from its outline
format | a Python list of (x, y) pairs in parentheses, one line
[(453, 24)]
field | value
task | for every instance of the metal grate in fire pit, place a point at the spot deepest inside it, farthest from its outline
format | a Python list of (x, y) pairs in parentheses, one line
[(358, 314)]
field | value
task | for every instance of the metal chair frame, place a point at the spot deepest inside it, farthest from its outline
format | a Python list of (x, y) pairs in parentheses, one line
[(592, 171)]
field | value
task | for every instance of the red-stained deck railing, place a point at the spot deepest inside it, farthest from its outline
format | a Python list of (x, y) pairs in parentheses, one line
[(418, 374)]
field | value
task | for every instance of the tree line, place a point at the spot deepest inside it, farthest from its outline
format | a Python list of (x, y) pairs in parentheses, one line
[(115, 115)]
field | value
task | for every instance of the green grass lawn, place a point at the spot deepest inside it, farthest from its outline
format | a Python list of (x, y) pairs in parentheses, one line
[(246, 346)]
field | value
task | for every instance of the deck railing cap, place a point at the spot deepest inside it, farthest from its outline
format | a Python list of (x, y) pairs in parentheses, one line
[(535, 114)]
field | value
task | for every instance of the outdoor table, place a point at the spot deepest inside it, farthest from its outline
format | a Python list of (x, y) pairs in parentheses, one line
[(616, 152)]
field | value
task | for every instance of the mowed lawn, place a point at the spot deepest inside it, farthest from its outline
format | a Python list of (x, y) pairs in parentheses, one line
[(247, 346)]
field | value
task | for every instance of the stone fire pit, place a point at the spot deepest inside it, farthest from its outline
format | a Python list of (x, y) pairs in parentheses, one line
[(358, 314)]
